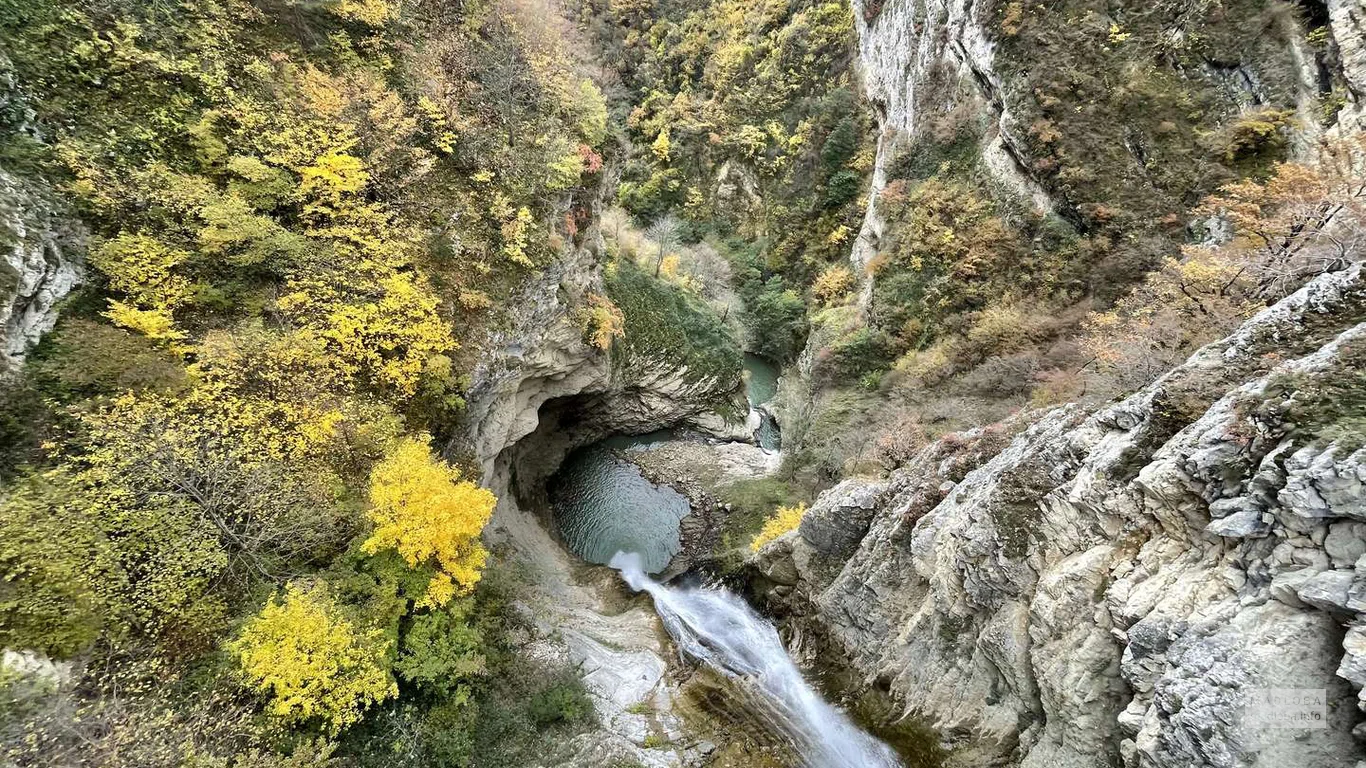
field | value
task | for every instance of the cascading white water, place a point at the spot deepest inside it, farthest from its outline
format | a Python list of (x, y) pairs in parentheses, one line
[(719, 629)]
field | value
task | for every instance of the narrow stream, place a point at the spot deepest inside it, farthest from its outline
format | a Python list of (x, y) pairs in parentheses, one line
[(761, 385), (717, 628)]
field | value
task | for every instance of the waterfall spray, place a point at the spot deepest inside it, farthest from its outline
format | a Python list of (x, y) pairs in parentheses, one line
[(719, 629)]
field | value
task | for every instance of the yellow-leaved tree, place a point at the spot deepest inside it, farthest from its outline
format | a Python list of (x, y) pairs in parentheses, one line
[(423, 510), (311, 661), (782, 520)]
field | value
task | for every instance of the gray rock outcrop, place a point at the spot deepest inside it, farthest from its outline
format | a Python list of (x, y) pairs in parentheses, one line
[(40, 262), (1347, 19), (1121, 588), (907, 52)]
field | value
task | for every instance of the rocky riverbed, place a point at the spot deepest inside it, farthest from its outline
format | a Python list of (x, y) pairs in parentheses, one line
[(699, 468)]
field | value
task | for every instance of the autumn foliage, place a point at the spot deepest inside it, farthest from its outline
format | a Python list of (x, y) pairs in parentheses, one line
[(782, 520), (311, 661), (1304, 220), (422, 509)]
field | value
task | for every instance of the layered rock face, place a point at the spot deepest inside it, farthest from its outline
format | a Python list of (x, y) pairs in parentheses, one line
[(1348, 19), (919, 58), (1120, 588), (41, 245), (538, 376), (927, 63), (40, 262)]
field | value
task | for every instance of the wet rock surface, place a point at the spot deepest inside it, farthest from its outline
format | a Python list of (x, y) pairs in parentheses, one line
[(698, 468)]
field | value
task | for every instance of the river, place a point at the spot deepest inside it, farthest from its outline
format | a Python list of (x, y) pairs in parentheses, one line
[(717, 628), (607, 512), (761, 386)]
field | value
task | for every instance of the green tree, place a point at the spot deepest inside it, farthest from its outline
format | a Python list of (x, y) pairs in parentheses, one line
[(442, 650), (776, 317)]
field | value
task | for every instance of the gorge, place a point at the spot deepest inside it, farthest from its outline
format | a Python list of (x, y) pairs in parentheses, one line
[(683, 383)]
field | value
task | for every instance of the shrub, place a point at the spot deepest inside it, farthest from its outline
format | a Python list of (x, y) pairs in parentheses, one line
[(782, 520), (422, 509), (832, 284), (1301, 222), (601, 321), (311, 661), (84, 359), (447, 732), (1255, 139), (562, 700), (1002, 376), (946, 252), (855, 355), (751, 501), (50, 558), (441, 650), (23, 421), (998, 330), (663, 323), (841, 188), (899, 440), (776, 319)]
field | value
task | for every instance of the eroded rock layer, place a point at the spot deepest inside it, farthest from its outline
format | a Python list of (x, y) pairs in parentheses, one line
[(1118, 588), (40, 262)]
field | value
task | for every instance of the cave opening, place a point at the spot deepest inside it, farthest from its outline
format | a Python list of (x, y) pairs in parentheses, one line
[(569, 474)]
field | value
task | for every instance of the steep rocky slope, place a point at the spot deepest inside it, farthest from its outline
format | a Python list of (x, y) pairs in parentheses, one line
[(41, 245), (934, 68), (1114, 588), (1348, 19)]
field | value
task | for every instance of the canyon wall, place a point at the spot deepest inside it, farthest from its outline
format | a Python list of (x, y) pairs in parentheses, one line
[(538, 392), (41, 244), (1076, 589), (1116, 588), (929, 67)]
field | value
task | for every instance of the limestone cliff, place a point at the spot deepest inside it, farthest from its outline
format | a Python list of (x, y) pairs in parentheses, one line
[(41, 245), (1113, 588), (1058, 122), (1348, 19), (906, 50), (40, 262)]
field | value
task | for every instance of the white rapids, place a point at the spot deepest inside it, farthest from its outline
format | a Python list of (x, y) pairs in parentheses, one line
[(717, 628)]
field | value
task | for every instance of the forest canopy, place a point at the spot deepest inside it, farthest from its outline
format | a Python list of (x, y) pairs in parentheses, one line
[(228, 496)]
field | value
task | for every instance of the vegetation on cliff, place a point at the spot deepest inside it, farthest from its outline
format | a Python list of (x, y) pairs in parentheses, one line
[(1141, 125), (232, 490), (223, 504)]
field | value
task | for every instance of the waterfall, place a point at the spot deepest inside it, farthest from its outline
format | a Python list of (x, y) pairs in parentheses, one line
[(719, 629)]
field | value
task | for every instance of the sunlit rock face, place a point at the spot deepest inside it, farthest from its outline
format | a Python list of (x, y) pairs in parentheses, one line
[(1113, 589), (40, 262), (921, 59), (1348, 23)]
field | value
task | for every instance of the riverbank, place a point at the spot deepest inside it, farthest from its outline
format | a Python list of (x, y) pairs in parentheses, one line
[(701, 471)]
